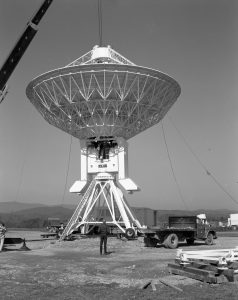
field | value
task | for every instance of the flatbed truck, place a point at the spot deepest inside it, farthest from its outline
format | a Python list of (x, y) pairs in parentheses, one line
[(179, 229)]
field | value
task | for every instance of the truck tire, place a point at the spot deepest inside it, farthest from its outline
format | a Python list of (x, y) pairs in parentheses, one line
[(171, 241), (209, 239), (130, 233), (190, 241), (150, 242)]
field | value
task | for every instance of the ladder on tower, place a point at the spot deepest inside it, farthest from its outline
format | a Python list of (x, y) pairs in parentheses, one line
[(74, 219)]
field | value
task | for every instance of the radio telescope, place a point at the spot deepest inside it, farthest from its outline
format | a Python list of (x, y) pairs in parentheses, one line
[(103, 99)]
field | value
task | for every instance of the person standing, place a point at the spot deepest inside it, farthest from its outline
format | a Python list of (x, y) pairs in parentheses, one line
[(61, 229), (2, 235), (103, 231)]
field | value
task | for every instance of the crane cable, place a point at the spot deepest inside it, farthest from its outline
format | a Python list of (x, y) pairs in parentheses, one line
[(100, 22), (172, 169), (67, 171), (208, 172)]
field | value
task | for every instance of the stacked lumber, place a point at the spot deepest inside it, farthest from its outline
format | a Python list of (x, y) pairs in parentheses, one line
[(212, 266)]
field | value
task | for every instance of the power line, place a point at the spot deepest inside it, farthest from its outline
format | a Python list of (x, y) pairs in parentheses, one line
[(208, 172), (100, 22), (172, 169)]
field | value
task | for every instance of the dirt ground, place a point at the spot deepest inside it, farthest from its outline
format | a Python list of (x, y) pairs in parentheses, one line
[(75, 270)]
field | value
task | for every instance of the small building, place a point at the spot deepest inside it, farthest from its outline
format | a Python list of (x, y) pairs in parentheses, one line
[(233, 220)]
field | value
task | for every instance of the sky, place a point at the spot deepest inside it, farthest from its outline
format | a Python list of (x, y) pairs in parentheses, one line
[(193, 41)]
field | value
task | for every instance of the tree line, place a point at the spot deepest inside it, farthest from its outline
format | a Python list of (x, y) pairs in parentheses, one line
[(13, 221)]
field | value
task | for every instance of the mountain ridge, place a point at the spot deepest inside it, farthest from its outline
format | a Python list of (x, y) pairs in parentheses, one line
[(35, 215), (30, 209)]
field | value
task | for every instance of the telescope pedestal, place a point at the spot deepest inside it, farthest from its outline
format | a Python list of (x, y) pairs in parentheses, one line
[(102, 199)]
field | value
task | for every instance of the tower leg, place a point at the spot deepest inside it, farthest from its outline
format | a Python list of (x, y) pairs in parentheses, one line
[(102, 195)]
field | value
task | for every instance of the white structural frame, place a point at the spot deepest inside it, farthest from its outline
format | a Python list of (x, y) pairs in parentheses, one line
[(103, 99), (103, 192), (103, 188)]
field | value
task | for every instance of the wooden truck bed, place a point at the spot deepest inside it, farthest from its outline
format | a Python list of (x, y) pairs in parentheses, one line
[(172, 229)]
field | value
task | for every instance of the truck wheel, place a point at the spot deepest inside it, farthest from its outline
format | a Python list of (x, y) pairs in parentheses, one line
[(209, 239), (171, 241), (190, 241), (130, 233)]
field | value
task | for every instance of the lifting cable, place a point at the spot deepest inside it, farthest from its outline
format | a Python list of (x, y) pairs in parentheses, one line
[(208, 172), (172, 169), (100, 22), (67, 172)]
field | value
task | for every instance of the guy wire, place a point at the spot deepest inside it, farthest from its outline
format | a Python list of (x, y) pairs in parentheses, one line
[(172, 169), (202, 164), (67, 172)]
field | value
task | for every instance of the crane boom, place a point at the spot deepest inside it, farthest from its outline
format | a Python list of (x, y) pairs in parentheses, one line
[(20, 47)]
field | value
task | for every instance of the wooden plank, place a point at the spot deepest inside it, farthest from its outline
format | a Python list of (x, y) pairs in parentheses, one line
[(146, 284), (204, 266), (170, 285), (202, 275), (233, 265), (229, 274), (193, 270), (221, 279), (223, 275), (193, 276)]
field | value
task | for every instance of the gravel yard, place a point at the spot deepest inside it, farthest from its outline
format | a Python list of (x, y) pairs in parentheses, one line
[(75, 270)]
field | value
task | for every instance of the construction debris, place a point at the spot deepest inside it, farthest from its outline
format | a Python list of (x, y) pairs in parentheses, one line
[(153, 286), (212, 266), (170, 285), (146, 284), (131, 267)]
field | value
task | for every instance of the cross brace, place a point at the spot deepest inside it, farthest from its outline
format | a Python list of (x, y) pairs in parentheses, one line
[(102, 194)]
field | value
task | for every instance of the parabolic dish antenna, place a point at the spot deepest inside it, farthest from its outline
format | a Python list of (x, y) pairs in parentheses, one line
[(103, 99), (103, 94)]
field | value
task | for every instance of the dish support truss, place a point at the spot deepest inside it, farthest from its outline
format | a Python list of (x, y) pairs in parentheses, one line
[(102, 193), (103, 94), (103, 163)]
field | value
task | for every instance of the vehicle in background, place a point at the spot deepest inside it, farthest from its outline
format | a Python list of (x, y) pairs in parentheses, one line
[(179, 229), (54, 225)]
